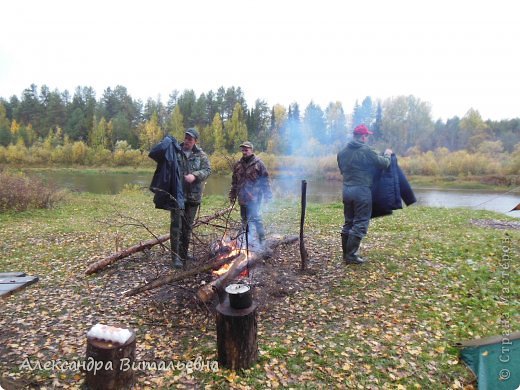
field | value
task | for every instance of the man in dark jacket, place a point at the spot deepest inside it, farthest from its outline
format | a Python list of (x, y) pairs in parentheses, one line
[(195, 169), (357, 163), (250, 184)]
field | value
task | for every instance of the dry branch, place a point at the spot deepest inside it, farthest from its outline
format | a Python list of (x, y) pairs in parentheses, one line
[(101, 264)]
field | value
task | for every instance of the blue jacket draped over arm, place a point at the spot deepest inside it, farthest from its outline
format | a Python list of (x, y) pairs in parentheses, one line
[(390, 188)]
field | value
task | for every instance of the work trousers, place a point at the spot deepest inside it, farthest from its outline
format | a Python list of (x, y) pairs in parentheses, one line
[(357, 209), (250, 214), (181, 223)]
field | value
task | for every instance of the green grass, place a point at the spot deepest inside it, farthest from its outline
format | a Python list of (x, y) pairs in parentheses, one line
[(433, 279)]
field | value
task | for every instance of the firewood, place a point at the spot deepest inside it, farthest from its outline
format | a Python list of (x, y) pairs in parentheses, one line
[(207, 292), (175, 277), (101, 264)]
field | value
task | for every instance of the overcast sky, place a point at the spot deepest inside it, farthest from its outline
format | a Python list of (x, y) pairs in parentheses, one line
[(456, 55)]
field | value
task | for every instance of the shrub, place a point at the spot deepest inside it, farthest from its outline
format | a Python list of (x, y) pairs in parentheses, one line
[(222, 163), (131, 157), (19, 192), (99, 156), (79, 152), (513, 165)]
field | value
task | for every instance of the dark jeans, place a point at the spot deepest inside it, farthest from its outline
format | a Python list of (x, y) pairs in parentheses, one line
[(357, 209), (181, 222), (250, 213)]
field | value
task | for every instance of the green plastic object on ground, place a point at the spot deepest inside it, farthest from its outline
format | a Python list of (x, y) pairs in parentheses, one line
[(495, 361)]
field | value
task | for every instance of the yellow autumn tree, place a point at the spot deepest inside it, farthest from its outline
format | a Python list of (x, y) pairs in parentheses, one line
[(150, 133)]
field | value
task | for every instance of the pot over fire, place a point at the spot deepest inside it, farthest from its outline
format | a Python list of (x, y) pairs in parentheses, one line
[(239, 295)]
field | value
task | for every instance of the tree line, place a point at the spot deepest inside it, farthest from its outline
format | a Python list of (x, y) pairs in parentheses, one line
[(42, 117)]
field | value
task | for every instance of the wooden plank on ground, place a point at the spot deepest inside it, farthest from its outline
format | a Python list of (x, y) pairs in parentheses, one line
[(9, 286), (11, 274)]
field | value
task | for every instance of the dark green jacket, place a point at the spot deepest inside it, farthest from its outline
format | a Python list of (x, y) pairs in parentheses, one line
[(198, 165), (358, 162)]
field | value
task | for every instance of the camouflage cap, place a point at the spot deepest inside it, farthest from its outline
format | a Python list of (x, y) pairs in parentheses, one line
[(192, 132), (247, 144)]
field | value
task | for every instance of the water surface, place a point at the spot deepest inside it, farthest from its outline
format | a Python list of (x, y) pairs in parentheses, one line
[(320, 191)]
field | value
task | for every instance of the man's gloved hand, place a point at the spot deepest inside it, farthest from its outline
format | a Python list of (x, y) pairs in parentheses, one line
[(232, 199)]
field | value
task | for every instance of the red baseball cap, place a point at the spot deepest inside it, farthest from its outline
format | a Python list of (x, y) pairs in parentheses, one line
[(362, 130)]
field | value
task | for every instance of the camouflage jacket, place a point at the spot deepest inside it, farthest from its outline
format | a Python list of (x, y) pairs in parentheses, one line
[(198, 165), (250, 181)]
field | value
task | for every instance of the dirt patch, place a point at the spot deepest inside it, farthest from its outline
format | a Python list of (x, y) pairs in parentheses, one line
[(496, 224)]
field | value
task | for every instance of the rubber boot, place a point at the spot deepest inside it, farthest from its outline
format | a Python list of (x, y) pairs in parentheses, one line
[(177, 262), (344, 240), (175, 235), (183, 254), (176, 258), (352, 247)]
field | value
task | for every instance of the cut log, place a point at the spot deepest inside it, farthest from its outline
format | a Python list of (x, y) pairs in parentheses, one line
[(236, 336), (101, 264), (207, 292), (111, 364)]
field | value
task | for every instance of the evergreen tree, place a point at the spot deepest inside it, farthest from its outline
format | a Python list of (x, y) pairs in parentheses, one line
[(335, 131), (377, 128), (5, 132), (186, 103), (314, 121), (30, 109)]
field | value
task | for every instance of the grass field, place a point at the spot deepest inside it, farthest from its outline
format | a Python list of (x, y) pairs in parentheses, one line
[(434, 277)]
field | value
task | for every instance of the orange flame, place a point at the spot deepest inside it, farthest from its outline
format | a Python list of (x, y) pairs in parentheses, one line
[(235, 252)]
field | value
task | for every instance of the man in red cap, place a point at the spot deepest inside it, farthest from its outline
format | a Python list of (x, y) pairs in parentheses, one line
[(357, 163)]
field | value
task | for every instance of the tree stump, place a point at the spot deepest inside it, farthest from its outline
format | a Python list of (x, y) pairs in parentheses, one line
[(109, 365), (236, 336)]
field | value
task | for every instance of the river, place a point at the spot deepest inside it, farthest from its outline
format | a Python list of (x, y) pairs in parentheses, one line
[(320, 191)]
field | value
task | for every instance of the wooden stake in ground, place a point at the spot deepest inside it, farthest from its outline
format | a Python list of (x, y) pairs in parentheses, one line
[(101, 264), (303, 252)]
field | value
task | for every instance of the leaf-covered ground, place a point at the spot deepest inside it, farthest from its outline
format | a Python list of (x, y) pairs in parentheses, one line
[(433, 278)]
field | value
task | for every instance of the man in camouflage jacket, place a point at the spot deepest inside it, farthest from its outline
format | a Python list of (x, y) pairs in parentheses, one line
[(194, 169), (250, 185)]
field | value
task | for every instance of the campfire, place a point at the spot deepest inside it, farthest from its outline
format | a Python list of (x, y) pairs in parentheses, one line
[(229, 248)]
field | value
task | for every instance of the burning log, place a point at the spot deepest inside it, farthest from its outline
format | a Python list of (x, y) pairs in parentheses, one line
[(208, 291), (101, 264)]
